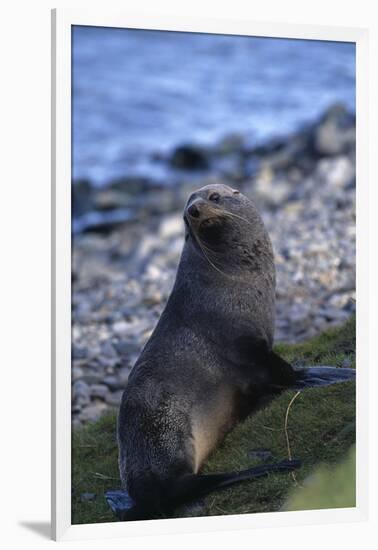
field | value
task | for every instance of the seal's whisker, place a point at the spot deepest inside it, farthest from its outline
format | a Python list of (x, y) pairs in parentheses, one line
[(236, 216), (211, 263), (207, 248), (210, 250), (201, 245)]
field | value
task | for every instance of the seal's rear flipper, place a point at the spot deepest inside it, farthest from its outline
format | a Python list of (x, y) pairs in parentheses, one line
[(187, 488), (312, 377), (121, 504), (194, 486)]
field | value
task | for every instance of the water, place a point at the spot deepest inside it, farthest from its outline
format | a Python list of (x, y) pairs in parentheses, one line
[(139, 92)]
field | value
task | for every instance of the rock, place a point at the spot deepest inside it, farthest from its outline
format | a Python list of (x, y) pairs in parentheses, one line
[(337, 172), (82, 193), (121, 327), (113, 382), (87, 497), (272, 190), (335, 133), (126, 347), (93, 412), (79, 352), (81, 390), (108, 362), (77, 373), (171, 226), (189, 157), (153, 298), (233, 167), (114, 399), (153, 273), (99, 391), (92, 377), (347, 362), (110, 199), (232, 143), (332, 314), (260, 454), (131, 185), (108, 350), (76, 423), (272, 146), (123, 376)]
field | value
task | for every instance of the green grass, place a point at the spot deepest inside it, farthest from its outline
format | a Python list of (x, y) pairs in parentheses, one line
[(327, 487), (94, 469), (321, 429)]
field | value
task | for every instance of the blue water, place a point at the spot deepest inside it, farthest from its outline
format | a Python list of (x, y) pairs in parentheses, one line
[(139, 92)]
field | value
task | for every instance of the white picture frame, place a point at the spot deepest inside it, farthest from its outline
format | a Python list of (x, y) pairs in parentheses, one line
[(62, 20)]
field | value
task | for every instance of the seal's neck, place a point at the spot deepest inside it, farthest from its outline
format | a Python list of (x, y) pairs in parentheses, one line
[(240, 262), (222, 306)]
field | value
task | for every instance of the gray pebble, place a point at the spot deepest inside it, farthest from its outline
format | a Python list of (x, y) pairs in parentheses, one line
[(99, 391), (87, 497), (108, 350), (113, 382), (114, 399), (260, 454), (80, 390), (79, 352), (123, 376), (121, 328), (77, 372), (109, 361), (93, 412), (92, 377)]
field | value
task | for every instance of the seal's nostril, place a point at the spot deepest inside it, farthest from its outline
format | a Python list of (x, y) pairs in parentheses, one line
[(193, 211)]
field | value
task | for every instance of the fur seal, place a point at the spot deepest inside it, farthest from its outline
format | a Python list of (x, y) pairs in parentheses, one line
[(209, 362)]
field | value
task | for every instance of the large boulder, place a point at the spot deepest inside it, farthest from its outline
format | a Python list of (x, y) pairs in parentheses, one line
[(336, 132), (189, 157)]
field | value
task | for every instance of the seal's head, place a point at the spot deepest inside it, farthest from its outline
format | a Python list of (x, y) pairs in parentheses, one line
[(224, 227)]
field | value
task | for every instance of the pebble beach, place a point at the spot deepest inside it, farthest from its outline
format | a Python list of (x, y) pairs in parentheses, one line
[(128, 237)]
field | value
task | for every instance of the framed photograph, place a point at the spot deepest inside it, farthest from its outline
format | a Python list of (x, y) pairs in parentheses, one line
[(206, 254)]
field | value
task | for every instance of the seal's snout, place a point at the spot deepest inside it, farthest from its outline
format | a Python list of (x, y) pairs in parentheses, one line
[(194, 211), (199, 210)]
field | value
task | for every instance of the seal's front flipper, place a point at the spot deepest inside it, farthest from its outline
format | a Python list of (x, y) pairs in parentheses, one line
[(312, 377), (121, 504)]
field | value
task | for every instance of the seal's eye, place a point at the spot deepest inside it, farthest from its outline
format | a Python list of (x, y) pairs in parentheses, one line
[(214, 197)]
